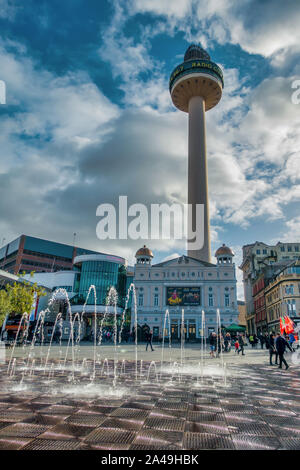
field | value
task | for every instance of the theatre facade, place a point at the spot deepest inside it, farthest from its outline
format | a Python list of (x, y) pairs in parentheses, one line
[(189, 284)]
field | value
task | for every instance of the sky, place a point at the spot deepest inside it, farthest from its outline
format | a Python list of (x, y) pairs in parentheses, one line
[(88, 117)]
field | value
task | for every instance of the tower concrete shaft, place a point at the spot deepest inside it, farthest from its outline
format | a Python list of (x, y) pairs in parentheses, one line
[(196, 86), (197, 174)]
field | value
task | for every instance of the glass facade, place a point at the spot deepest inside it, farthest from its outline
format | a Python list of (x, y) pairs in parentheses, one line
[(103, 275), (38, 245)]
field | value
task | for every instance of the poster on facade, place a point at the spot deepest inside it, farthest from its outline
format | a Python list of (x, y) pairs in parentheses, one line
[(183, 296)]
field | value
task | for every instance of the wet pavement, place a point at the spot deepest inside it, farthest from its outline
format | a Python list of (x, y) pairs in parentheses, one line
[(256, 407)]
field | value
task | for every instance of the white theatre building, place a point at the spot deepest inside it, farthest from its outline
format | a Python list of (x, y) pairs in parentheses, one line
[(185, 283)]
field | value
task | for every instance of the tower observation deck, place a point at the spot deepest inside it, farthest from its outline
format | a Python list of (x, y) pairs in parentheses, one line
[(196, 86)]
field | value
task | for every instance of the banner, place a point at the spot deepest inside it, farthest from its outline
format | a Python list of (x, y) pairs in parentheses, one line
[(183, 296)]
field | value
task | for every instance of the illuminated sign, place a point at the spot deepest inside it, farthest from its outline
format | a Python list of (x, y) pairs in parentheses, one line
[(204, 66), (183, 296)]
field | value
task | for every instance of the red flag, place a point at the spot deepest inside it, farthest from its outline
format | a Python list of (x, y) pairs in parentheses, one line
[(281, 326), (289, 325)]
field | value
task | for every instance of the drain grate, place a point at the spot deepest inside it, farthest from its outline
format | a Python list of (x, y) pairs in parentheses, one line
[(14, 416), (214, 427), (105, 410), (45, 420), (167, 414), (199, 416), (152, 447), (58, 410), (198, 441), (165, 424), (86, 419), (245, 442), (283, 420), (12, 443), (47, 444), (157, 437), (66, 431), (139, 405), (234, 419), (290, 444), (104, 446), (172, 405), (256, 429), (110, 435), (276, 412), (23, 430), (128, 424), (207, 408), (286, 431), (140, 415), (241, 408)]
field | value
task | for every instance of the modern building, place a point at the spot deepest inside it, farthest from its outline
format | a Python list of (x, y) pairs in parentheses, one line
[(27, 254), (282, 296), (260, 263), (196, 86), (185, 283), (103, 271)]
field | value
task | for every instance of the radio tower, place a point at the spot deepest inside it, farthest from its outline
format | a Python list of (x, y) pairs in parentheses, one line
[(196, 86)]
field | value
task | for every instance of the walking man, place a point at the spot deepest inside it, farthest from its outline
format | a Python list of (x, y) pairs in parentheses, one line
[(242, 344), (281, 344), (149, 340), (272, 348), (262, 340)]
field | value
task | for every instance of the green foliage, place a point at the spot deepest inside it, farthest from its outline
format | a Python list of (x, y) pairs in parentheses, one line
[(4, 304), (18, 297)]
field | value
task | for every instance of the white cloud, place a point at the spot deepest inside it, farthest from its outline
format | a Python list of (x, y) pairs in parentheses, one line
[(162, 7), (268, 28), (71, 149)]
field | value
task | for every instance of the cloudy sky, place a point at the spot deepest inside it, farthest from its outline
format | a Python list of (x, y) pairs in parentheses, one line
[(89, 116)]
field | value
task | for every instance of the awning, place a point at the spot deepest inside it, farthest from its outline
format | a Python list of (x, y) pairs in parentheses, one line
[(235, 328)]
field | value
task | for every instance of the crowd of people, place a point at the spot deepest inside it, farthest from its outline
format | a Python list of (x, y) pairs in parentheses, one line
[(275, 343), (223, 342)]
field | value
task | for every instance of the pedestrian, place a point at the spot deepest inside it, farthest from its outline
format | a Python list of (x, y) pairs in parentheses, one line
[(251, 340), (262, 340), (237, 346), (220, 343), (212, 343), (227, 342), (272, 348), (292, 340), (280, 344), (242, 344), (149, 340)]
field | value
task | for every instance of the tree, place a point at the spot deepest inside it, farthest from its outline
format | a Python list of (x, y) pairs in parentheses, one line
[(4, 304), (18, 298)]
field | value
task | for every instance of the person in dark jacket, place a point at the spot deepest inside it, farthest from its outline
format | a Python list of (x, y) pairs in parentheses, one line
[(213, 343), (270, 343), (242, 344), (149, 340), (280, 344), (227, 342)]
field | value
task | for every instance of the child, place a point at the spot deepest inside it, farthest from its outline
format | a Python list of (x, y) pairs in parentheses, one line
[(237, 346)]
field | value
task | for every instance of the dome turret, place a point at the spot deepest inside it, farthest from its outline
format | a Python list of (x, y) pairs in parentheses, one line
[(224, 254), (144, 255)]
